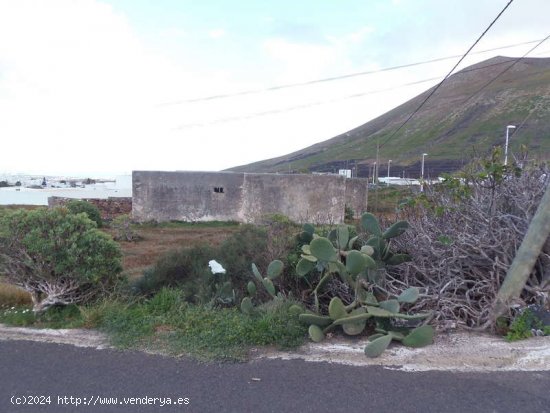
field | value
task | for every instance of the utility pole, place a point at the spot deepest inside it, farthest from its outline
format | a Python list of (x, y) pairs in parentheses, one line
[(422, 173), (506, 145), (377, 167), (526, 256)]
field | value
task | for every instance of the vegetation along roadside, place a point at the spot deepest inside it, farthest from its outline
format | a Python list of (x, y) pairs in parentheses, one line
[(150, 286)]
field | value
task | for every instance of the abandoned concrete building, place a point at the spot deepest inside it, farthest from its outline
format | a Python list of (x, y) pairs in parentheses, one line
[(244, 197)]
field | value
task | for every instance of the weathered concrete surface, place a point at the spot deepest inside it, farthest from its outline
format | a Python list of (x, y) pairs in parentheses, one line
[(75, 337), (457, 351), (243, 197)]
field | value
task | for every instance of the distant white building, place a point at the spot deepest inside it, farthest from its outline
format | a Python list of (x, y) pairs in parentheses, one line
[(407, 181), (345, 172)]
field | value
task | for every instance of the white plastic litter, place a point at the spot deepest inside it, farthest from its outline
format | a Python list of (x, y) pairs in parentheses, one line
[(216, 267)]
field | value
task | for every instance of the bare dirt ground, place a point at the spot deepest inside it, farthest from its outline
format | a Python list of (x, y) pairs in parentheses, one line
[(156, 241), (457, 351)]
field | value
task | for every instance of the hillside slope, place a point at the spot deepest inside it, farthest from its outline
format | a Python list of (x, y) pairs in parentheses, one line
[(466, 116)]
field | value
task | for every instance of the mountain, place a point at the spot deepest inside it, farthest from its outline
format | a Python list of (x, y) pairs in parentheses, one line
[(466, 116)]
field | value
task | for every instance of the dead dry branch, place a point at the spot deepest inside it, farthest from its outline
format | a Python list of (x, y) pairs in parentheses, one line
[(462, 247)]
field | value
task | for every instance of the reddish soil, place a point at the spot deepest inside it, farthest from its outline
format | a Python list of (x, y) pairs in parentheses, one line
[(137, 256)]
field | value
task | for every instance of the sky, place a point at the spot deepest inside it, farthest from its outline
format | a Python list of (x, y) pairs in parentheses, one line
[(101, 88)]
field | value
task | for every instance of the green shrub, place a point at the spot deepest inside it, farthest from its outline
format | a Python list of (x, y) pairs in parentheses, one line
[(124, 229), (524, 324), (188, 269), (78, 206), (165, 301), (237, 252), (185, 268), (58, 257)]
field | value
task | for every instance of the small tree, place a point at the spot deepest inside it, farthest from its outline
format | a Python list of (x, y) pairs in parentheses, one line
[(124, 230), (77, 206), (58, 257)]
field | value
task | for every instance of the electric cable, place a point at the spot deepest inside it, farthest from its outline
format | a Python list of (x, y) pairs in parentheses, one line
[(331, 79), (447, 76), (318, 103)]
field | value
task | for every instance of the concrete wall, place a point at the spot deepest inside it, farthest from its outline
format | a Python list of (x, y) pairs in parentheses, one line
[(244, 197)]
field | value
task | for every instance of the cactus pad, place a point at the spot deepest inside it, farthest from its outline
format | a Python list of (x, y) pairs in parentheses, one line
[(377, 346), (315, 333), (391, 305), (420, 337), (251, 288), (355, 262), (268, 284), (318, 320), (274, 269), (370, 224), (336, 309), (410, 295), (396, 229), (322, 249), (256, 272), (304, 266), (246, 305)]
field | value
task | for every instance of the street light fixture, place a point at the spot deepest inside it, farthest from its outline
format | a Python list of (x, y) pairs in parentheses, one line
[(389, 162), (422, 173), (506, 146)]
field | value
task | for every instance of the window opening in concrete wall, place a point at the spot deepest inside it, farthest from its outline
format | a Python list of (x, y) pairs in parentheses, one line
[(218, 189)]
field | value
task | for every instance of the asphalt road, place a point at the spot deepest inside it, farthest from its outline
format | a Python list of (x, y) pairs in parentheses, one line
[(32, 371)]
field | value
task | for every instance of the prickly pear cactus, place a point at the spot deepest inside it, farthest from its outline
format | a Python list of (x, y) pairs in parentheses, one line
[(274, 269), (363, 269)]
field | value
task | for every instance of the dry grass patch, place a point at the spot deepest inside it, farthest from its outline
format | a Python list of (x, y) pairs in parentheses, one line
[(12, 296), (158, 240)]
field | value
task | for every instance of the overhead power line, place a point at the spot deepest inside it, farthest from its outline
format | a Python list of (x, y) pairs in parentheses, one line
[(447, 76), (514, 62), (506, 69), (324, 102), (331, 79)]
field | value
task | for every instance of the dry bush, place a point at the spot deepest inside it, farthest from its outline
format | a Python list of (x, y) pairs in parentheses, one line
[(464, 235), (13, 296)]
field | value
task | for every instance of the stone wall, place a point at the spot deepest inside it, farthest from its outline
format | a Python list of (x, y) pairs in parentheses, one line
[(244, 197), (109, 208)]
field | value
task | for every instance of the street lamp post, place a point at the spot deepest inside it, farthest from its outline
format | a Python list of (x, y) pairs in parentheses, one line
[(422, 173), (373, 173), (389, 162), (506, 145)]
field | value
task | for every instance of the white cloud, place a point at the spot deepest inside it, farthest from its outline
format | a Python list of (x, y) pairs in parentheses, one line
[(217, 33), (80, 89), (360, 35), (303, 61), (173, 32)]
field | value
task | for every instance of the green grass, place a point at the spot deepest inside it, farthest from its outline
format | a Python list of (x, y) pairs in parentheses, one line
[(55, 317), (167, 323), (387, 199), (17, 316)]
